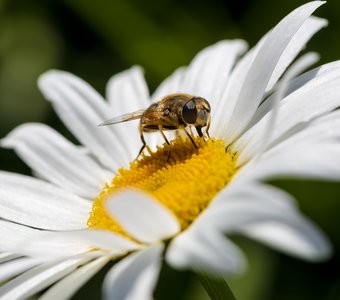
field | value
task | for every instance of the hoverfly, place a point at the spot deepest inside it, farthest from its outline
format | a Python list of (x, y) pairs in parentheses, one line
[(173, 112)]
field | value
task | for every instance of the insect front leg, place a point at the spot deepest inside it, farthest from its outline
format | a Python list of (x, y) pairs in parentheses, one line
[(199, 131), (208, 126), (190, 137)]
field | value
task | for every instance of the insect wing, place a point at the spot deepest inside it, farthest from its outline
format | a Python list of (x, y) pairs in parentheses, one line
[(124, 118)]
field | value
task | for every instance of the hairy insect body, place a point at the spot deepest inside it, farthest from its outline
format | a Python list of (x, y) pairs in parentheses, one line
[(166, 113), (173, 112)]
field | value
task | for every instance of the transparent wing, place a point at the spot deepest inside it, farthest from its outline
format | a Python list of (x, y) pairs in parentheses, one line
[(124, 118)]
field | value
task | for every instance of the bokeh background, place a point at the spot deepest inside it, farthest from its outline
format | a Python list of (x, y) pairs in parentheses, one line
[(95, 39)]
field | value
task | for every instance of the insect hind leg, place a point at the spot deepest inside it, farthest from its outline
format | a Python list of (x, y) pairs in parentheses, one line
[(190, 137)]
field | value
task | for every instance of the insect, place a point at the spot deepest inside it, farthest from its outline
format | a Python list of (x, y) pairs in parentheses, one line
[(173, 112)]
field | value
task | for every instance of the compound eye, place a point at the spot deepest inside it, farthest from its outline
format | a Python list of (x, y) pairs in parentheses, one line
[(189, 112)]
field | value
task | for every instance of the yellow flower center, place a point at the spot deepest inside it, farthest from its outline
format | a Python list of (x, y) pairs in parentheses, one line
[(185, 180)]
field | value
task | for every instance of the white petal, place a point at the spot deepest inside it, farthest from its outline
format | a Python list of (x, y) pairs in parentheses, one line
[(69, 285), (255, 81), (248, 210), (298, 237), (56, 159), (204, 245), (170, 85), (35, 203), (309, 160), (298, 66), (209, 71), (303, 105), (81, 109), (144, 218), (12, 234), (134, 277), (15, 267), (53, 245), (223, 111), (241, 207), (298, 42), (24, 240), (37, 279), (7, 256), (308, 76), (211, 252), (255, 190), (319, 130), (128, 92), (107, 240), (288, 82)]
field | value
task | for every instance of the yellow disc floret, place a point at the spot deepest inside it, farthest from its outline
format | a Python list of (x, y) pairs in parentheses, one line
[(184, 179)]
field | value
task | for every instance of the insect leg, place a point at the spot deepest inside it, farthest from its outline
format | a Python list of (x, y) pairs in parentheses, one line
[(207, 129), (163, 135), (143, 141), (190, 137), (166, 140), (199, 130), (191, 132)]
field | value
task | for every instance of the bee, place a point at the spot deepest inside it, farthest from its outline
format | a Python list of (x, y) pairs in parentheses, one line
[(173, 112)]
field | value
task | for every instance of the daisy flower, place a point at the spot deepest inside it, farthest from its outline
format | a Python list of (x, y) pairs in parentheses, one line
[(94, 203)]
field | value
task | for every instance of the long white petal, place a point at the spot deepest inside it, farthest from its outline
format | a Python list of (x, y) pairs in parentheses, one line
[(309, 160), (81, 109), (319, 130), (211, 252), (24, 240), (298, 42), (311, 74), (246, 207), (56, 159), (208, 73), (321, 74), (15, 267), (6, 256), (250, 91), (32, 202), (318, 75), (144, 218), (298, 66), (299, 237), (300, 107), (12, 234), (248, 210), (53, 245), (170, 85), (134, 277), (257, 191), (35, 280), (70, 284), (128, 92), (107, 240), (225, 107), (204, 245)]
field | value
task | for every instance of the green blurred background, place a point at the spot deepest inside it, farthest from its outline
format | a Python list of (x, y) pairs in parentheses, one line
[(95, 39)]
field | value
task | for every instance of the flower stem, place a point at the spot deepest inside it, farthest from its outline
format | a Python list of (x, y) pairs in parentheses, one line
[(216, 287)]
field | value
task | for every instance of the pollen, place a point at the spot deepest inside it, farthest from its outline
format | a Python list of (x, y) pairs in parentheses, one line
[(182, 178)]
